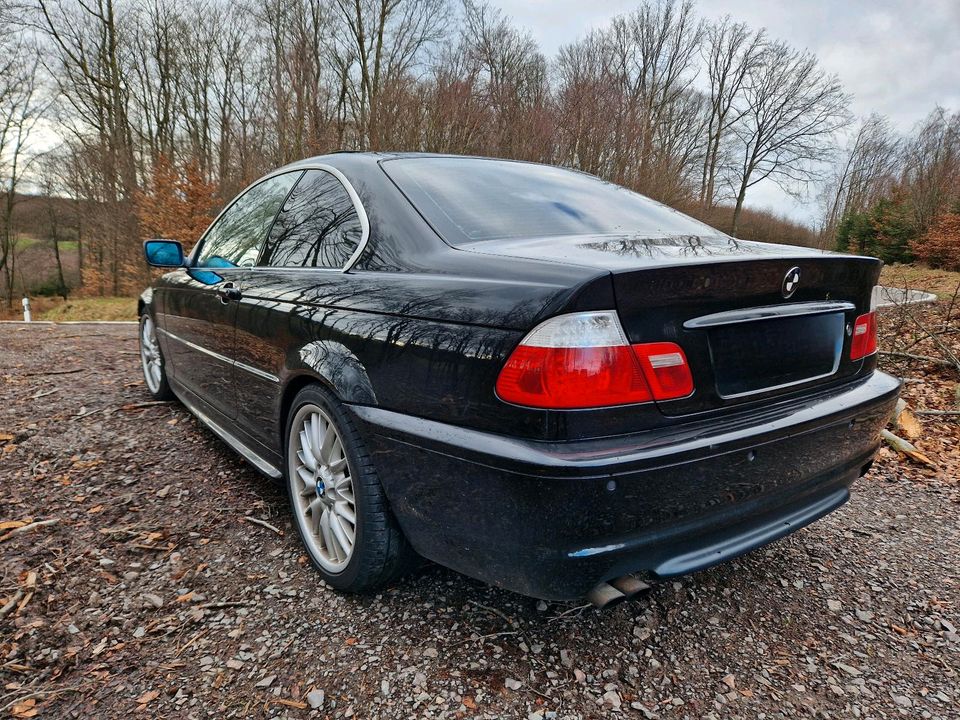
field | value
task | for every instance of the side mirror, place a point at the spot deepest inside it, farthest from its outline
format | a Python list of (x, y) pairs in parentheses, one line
[(164, 253)]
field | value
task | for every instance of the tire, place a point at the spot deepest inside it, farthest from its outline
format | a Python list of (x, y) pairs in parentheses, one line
[(152, 362), (343, 482)]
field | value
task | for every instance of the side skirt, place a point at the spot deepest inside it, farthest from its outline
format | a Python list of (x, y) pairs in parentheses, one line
[(258, 461)]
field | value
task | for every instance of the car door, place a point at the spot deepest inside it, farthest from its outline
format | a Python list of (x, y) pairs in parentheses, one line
[(201, 300), (315, 236)]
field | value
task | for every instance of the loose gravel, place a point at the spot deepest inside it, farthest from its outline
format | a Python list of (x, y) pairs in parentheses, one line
[(151, 594)]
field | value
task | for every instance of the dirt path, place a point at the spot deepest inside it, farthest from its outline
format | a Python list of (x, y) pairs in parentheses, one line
[(153, 593)]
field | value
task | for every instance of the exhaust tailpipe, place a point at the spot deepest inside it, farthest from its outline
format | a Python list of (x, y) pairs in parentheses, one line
[(629, 585), (605, 595)]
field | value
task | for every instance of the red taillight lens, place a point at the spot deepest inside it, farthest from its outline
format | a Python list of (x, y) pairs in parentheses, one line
[(864, 340), (666, 369), (566, 378), (583, 361)]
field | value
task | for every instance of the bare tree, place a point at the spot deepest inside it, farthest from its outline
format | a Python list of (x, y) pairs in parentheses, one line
[(860, 179), (379, 42), (791, 110), (511, 77), (931, 170), (89, 60), (731, 52), (21, 109)]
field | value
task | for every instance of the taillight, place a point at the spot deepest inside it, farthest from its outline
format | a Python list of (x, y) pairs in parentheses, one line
[(583, 360), (665, 367), (864, 340)]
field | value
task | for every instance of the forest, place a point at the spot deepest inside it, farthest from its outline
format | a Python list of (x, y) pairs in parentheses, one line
[(127, 119)]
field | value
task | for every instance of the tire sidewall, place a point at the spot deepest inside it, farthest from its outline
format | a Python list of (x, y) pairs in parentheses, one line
[(315, 395)]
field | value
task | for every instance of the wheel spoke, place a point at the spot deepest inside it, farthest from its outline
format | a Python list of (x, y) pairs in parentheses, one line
[(338, 466), (306, 476), (317, 431), (306, 451), (315, 515), (329, 441), (345, 511), (327, 534), (344, 488), (341, 538)]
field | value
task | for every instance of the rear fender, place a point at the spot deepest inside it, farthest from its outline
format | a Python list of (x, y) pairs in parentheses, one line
[(335, 364)]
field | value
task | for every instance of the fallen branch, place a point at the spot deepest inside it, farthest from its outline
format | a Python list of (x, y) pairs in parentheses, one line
[(11, 604), (29, 528), (907, 448), (263, 523), (140, 405), (53, 372), (88, 413), (949, 413), (221, 605), (921, 358)]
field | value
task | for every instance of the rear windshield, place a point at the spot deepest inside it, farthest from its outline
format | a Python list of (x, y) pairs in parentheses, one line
[(469, 200)]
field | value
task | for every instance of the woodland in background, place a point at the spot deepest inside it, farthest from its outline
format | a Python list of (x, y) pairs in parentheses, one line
[(166, 109)]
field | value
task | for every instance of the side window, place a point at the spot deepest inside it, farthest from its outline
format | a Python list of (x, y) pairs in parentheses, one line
[(236, 238), (317, 227)]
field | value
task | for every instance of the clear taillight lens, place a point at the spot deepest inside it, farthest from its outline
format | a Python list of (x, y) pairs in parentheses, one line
[(583, 360), (864, 340)]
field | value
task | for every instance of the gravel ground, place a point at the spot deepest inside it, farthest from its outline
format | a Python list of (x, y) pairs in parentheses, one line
[(152, 595)]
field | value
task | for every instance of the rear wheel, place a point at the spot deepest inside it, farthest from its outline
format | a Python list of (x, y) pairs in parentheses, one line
[(151, 359), (339, 507)]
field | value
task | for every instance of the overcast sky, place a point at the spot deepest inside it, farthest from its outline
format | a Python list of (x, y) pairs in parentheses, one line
[(897, 57)]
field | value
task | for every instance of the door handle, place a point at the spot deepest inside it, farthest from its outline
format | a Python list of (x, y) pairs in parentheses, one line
[(228, 292)]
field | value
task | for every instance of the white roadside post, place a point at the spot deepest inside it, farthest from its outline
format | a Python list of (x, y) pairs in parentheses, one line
[(26, 309)]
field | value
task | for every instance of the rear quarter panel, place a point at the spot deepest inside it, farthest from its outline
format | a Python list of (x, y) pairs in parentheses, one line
[(424, 345)]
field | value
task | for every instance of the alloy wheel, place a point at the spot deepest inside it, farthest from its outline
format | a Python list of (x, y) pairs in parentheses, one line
[(322, 488), (150, 355)]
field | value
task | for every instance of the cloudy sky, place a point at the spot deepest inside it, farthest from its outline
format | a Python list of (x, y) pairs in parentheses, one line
[(897, 57)]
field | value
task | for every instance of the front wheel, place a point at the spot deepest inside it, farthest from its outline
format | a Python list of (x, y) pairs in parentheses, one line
[(154, 372), (339, 507)]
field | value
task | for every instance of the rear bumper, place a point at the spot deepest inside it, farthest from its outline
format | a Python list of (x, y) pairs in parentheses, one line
[(553, 519)]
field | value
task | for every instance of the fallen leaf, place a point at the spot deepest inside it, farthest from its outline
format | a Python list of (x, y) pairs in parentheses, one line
[(5, 437), (148, 697), (291, 703), (95, 509), (10, 524), (469, 703), (24, 709)]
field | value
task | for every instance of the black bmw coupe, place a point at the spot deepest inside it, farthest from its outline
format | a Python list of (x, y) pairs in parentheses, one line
[(527, 374)]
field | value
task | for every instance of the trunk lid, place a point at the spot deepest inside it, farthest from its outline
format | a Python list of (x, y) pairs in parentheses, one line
[(753, 328), (755, 320)]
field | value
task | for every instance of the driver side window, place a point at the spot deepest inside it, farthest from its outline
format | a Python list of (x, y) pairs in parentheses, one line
[(237, 236)]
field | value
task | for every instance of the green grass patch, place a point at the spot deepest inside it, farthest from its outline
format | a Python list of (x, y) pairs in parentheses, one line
[(97, 308), (25, 241)]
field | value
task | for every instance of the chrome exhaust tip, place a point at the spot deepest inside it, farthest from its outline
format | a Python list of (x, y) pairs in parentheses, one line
[(630, 585), (605, 595)]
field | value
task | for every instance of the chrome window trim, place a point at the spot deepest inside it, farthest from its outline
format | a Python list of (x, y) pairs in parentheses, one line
[(301, 168), (222, 358), (203, 237)]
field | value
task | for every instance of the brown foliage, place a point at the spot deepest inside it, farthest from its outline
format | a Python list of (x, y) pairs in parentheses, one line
[(940, 246), (178, 204)]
